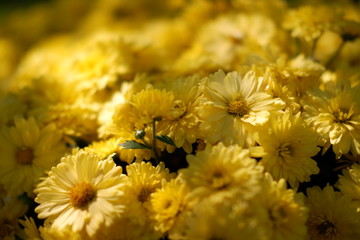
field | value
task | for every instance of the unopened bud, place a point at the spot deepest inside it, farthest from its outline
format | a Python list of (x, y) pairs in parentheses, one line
[(140, 134)]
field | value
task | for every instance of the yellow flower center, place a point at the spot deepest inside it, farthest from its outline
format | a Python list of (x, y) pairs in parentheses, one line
[(24, 156), (321, 228), (238, 107), (144, 194), (279, 212), (342, 115), (81, 194), (167, 204), (219, 180), (285, 150)]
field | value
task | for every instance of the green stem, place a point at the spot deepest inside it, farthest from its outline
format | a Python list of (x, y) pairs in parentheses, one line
[(335, 55), (154, 141)]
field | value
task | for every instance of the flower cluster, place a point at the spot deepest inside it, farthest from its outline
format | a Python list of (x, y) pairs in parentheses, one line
[(180, 119)]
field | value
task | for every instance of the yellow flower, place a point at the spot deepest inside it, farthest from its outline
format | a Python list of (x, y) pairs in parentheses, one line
[(104, 148), (168, 203), (81, 193), (99, 62), (349, 184), (143, 180), (53, 101), (288, 145), (233, 105), (336, 117), (236, 39), (26, 151), (227, 220), (309, 22), (153, 104), (221, 172), (330, 215), (11, 208), (30, 229), (285, 212), (183, 127), (124, 228)]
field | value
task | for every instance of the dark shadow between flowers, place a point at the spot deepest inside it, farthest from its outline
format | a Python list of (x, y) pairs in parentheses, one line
[(327, 175)]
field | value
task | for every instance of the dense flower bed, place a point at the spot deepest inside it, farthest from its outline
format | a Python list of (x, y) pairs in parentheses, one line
[(180, 119)]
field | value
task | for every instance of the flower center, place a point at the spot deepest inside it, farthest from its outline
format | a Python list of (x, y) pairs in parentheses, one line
[(321, 228), (279, 212), (144, 194), (24, 156), (238, 107), (285, 150), (342, 115), (219, 180), (81, 194)]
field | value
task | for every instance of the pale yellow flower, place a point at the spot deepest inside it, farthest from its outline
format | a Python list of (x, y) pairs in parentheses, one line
[(330, 215), (285, 212), (335, 115), (226, 220), (143, 180), (309, 22), (288, 145), (184, 126), (220, 172), (26, 151), (233, 105), (81, 193), (349, 184), (168, 203)]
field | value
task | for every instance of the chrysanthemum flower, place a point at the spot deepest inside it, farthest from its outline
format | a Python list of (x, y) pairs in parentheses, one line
[(291, 79), (168, 203), (237, 39), (104, 148), (143, 180), (232, 105), (336, 117), (288, 145), (51, 100), (26, 151), (153, 104), (285, 212), (81, 193), (349, 184), (11, 208), (124, 228), (330, 215), (227, 220), (183, 127), (30, 229), (309, 22), (222, 172)]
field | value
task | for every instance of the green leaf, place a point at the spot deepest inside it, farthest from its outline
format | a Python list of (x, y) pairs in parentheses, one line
[(165, 139), (134, 145)]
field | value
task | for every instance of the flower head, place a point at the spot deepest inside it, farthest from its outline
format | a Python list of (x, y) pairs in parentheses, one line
[(232, 105), (288, 145), (349, 184), (330, 215), (285, 212), (81, 193), (26, 151), (336, 117), (222, 172)]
